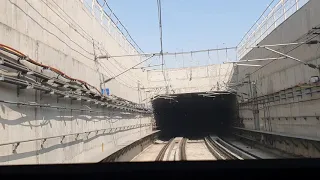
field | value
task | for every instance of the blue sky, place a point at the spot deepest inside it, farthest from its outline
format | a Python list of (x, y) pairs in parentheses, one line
[(188, 24)]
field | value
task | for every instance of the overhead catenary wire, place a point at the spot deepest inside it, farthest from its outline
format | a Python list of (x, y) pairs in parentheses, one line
[(107, 5), (21, 56), (149, 66), (297, 46), (111, 73), (49, 30), (168, 53), (269, 5), (119, 81), (161, 44), (90, 39), (286, 53), (121, 68), (127, 70)]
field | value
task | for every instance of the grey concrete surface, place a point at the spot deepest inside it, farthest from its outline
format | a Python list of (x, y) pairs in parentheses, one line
[(149, 154), (198, 151), (67, 36), (279, 75)]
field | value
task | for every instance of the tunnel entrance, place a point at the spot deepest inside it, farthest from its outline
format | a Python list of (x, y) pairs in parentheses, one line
[(195, 114)]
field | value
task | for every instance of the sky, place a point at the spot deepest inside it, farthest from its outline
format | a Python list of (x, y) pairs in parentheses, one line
[(188, 24)]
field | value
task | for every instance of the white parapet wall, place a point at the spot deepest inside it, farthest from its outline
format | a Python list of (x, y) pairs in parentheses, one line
[(67, 36), (189, 80)]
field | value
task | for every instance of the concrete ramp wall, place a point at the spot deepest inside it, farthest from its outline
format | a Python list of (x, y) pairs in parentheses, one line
[(286, 101), (67, 36)]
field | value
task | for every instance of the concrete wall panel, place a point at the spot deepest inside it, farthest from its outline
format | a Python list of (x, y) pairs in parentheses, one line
[(280, 75), (60, 34)]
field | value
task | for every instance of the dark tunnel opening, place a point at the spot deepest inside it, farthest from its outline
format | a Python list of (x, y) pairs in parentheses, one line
[(195, 115)]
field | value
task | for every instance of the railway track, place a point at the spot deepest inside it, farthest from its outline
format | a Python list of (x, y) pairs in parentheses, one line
[(220, 151), (208, 148), (183, 155), (174, 150), (162, 152)]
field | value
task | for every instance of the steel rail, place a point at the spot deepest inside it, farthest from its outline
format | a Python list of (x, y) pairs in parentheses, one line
[(219, 151), (182, 149), (163, 150), (212, 150), (239, 151)]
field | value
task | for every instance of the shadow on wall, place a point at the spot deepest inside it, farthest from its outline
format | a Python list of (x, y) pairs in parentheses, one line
[(17, 156), (28, 115), (13, 115)]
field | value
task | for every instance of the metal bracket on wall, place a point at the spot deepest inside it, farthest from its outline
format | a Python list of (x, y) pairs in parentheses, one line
[(62, 138), (295, 144), (76, 138), (316, 146), (286, 142), (87, 135), (304, 144), (14, 147), (42, 143)]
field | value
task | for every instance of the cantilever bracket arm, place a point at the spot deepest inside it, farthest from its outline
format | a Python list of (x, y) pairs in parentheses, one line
[(293, 58)]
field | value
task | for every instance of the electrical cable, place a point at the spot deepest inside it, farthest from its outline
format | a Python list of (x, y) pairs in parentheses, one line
[(286, 53), (169, 53), (257, 20), (20, 55), (161, 43), (58, 28), (128, 69), (89, 39), (120, 82), (308, 39), (120, 65), (49, 31), (120, 24)]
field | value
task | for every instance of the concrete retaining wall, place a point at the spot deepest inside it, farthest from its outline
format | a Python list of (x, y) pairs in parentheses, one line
[(65, 35), (281, 75)]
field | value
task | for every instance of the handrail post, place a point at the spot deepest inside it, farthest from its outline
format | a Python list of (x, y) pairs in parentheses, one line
[(92, 7), (283, 9), (101, 15)]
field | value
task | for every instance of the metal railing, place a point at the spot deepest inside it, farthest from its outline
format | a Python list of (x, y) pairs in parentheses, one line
[(276, 13), (110, 22)]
